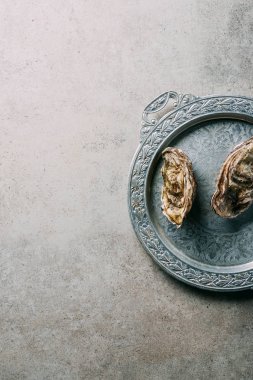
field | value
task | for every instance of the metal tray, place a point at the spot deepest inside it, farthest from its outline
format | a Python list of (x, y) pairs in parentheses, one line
[(207, 251)]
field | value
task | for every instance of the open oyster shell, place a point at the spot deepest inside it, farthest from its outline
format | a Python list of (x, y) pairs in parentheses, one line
[(179, 186), (234, 189)]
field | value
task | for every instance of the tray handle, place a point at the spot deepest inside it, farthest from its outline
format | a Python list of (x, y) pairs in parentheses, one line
[(161, 106)]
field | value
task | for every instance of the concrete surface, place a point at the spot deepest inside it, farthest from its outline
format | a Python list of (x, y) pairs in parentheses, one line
[(80, 299)]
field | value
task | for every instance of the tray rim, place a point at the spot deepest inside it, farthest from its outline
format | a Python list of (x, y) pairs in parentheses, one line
[(175, 266)]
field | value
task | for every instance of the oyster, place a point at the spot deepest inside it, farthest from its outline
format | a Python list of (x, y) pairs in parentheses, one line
[(179, 186), (234, 189)]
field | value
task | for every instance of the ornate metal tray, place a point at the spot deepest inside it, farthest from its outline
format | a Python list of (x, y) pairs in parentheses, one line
[(207, 251)]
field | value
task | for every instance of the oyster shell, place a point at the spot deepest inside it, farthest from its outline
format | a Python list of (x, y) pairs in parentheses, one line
[(179, 186), (234, 189)]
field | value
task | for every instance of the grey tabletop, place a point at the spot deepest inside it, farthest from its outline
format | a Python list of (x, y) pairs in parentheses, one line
[(80, 298)]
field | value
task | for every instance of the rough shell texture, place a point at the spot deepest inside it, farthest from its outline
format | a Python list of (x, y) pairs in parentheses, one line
[(179, 186), (234, 190)]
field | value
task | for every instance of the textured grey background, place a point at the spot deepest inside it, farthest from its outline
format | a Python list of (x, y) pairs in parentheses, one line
[(80, 299)]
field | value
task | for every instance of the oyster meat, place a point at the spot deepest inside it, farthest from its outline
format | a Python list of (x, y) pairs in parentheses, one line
[(234, 189), (179, 186)]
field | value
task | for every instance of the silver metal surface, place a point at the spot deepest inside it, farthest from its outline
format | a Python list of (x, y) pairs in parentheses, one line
[(207, 251)]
